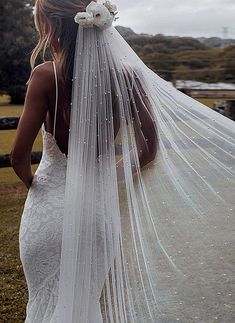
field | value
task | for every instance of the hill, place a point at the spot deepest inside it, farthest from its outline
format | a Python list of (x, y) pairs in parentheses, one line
[(212, 42), (187, 58), (216, 42)]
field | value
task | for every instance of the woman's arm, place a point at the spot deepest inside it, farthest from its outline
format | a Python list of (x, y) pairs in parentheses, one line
[(145, 131), (34, 113), (146, 135)]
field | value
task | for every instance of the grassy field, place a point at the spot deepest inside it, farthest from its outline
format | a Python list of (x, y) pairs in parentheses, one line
[(13, 292)]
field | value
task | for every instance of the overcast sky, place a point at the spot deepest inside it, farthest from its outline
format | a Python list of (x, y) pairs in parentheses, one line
[(178, 17)]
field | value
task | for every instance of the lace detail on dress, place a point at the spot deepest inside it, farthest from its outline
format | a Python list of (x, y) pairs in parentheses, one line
[(41, 308), (41, 235), (41, 231)]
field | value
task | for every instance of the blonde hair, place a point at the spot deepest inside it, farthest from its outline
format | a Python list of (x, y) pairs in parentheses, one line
[(54, 21)]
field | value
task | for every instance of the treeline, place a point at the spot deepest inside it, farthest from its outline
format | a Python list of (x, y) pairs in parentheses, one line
[(171, 57), (185, 58), (17, 38)]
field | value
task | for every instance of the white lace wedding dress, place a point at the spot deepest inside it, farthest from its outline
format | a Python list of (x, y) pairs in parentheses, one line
[(41, 229), (41, 233)]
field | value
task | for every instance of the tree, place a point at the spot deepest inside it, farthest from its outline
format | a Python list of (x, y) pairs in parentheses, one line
[(17, 37)]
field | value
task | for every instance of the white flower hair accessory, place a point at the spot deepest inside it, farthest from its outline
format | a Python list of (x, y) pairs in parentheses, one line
[(96, 14)]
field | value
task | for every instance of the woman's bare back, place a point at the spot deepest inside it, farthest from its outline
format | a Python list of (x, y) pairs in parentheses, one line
[(63, 108)]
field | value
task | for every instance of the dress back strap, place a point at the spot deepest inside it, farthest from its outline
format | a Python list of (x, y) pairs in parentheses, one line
[(56, 98)]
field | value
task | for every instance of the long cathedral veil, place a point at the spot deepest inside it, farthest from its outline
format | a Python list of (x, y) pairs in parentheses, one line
[(153, 243)]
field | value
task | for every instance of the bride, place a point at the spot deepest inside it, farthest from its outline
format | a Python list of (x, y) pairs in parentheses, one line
[(128, 217)]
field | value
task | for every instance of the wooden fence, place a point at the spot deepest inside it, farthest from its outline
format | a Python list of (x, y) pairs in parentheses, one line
[(11, 123)]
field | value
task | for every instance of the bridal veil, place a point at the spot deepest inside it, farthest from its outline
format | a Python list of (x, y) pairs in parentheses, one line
[(143, 244)]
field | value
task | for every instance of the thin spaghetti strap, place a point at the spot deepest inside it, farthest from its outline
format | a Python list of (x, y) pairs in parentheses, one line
[(56, 99)]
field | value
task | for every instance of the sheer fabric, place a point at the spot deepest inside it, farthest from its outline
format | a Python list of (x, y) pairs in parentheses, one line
[(143, 244)]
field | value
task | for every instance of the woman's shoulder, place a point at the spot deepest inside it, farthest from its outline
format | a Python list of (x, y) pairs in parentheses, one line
[(45, 68), (44, 73)]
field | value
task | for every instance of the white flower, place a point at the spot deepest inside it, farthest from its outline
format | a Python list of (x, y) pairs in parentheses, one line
[(111, 7), (100, 15), (84, 19)]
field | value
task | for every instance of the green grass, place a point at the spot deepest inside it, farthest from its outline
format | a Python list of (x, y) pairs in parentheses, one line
[(13, 295), (208, 102), (4, 99)]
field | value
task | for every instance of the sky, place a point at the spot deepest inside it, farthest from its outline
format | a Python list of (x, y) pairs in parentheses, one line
[(197, 18)]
